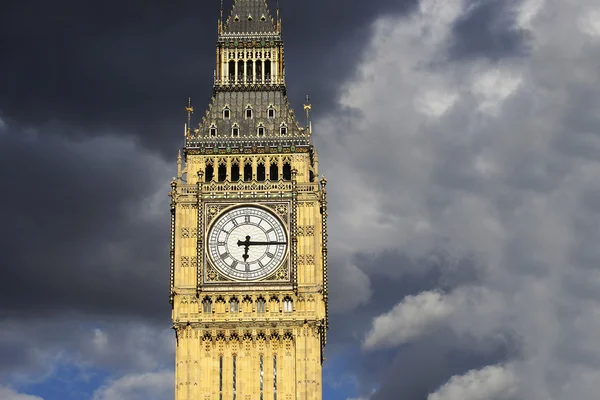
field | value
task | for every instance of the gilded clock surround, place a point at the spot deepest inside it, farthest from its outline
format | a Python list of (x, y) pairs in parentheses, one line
[(261, 339)]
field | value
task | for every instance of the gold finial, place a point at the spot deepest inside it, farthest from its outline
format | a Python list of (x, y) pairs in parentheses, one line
[(190, 111), (278, 20), (307, 108), (179, 161), (221, 19)]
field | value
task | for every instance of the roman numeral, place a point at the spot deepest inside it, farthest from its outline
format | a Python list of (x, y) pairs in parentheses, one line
[(234, 264), (247, 219), (270, 230), (247, 267), (270, 255), (235, 223)]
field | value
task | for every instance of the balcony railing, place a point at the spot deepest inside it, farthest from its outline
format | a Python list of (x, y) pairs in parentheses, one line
[(250, 186)]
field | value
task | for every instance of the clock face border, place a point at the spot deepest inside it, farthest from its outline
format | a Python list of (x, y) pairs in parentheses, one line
[(280, 275)]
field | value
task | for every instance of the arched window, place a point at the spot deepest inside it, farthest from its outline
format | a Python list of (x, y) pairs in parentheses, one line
[(240, 77), (247, 172), (231, 71), (235, 130), (213, 131), (206, 305), (226, 113), (259, 68), (271, 112), (283, 130), (235, 172), (260, 131), (248, 112), (249, 71), (287, 305), (222, 173), (209, 173), (234, 305), (274, 171), (261, 172), (260, 305), (287, 172), (267, 71)]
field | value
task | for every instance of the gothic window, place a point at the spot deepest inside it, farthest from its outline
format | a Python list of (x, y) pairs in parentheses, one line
[(213, 131), (260, 131), (235, 172), (240, 72), (311, 176), (248, 172), (268, 70), (283, 130), (260, 305), (274, 171), (271, 112), (249, 71), (248, 112), (234, 305), (261, 376), (226, 112), (259, 67), (287, 172), (222, 173), (275, 377), (231, 70), (287, 305), (235, 131), (209, 172), (261, 172), (206, 305), (234, 375), (221, 377)]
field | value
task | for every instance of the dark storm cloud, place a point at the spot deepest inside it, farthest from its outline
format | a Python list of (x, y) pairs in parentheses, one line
[(77, 227), (489, 29), (129, 66)]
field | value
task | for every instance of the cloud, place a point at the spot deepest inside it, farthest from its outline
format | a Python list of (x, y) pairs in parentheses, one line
[(489, 383), (409, 319), (150, 386), (488, 158), (9, 394)]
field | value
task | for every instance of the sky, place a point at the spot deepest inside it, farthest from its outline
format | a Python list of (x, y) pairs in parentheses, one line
[(461, 143)]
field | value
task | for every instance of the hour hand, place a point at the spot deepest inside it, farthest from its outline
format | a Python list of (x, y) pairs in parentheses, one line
[(248, 243)]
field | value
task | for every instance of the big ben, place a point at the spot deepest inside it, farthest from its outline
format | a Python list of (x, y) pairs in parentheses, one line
[(248, 253)]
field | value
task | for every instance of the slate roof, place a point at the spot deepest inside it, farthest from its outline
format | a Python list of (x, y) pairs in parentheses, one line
[(253, 16), (260, 102)]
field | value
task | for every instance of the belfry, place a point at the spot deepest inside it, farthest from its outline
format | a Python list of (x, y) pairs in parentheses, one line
[(248, 252)]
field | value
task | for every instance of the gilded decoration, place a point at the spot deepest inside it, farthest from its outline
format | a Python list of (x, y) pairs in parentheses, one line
[(248, 150)]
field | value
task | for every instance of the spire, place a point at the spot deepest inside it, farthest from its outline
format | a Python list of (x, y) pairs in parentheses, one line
[(250, 16)]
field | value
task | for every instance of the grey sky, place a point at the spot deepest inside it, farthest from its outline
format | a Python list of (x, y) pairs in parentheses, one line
[(461, 141)]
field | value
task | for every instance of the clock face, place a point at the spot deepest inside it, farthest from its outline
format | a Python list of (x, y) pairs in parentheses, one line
[(247, 243)]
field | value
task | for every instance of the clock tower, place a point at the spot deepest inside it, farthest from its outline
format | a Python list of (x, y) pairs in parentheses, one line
[(248, 253)]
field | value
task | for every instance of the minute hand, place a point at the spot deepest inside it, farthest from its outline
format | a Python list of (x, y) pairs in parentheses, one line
[(249, 243)]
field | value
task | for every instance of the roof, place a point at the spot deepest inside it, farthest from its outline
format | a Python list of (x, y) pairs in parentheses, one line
[(250, 16), (259, 102)]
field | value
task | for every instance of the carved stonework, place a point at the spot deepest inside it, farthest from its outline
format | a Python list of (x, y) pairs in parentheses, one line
[(188, 262), (189, 233), (307, 230), (306, 259)]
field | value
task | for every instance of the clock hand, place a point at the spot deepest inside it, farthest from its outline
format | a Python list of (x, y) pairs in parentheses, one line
[(247, 243), (246, 247)]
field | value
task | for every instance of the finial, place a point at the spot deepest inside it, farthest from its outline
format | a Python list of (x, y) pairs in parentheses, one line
[(190, 111), (307, 108), (221, 19), (278, 21)]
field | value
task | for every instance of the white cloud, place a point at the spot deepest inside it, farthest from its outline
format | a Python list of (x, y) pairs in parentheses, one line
[(149, 386), (413, 316), (418, 315), (10, 394), (497, 161), (489, 383)]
